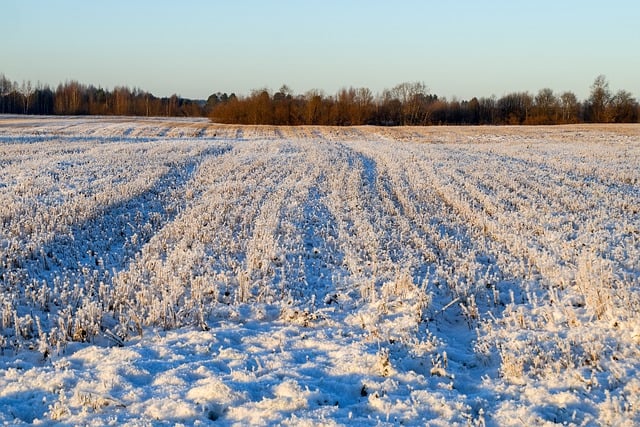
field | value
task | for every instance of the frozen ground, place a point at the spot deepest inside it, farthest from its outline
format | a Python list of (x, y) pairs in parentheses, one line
[(162, 272)]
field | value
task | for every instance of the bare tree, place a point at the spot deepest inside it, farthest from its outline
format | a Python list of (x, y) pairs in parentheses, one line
[(569, 107), (27, 91), (546, 107), (514, 108), (314, 107), (412, 96), (363, 106), (283, 106), (6, 87), (623, 108), (599, 100), (345, 100)]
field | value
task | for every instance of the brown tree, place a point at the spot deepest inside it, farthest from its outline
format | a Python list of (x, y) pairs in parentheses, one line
[(569, 108), (546, 108), (599, 100), (623, 108), (514, 108), (314, 106)]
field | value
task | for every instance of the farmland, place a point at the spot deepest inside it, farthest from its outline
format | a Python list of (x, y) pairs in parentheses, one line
[(163, 271)]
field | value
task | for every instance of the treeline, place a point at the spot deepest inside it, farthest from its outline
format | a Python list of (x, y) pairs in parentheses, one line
[(73, 98), (412, 104), (404, 104)]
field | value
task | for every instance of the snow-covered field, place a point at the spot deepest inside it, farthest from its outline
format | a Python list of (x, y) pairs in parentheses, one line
[(162, 272)]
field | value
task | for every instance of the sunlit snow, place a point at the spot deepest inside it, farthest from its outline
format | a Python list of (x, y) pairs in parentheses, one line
[(167, 271)]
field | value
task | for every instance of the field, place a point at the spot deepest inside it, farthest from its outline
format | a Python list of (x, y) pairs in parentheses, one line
[(159, 272)]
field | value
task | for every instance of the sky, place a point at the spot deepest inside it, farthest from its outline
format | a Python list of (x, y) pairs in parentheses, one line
[(461, 49)]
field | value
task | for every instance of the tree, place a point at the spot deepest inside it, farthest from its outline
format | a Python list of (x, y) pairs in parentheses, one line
[(488, 110), (345, 101), (6, 88), (262, 108), (514, 108), (27, 91), (599, 100), (68, 98), (283, 106), (43, 100), (569, 108), (414, 99), (363, 106), (623, 108), (546, 108), (314, 107), (122, 101), (442, 112), (390, 110), (473, 111), (5, 85)]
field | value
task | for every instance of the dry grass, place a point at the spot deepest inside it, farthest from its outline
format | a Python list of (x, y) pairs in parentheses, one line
[(201, 127)]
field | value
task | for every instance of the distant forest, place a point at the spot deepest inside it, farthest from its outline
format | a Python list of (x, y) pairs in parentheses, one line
[(403, 105)]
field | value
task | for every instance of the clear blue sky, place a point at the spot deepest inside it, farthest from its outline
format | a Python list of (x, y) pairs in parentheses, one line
[(460, 48)]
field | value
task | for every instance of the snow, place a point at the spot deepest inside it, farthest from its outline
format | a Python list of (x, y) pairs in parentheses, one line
[(177, 272)]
